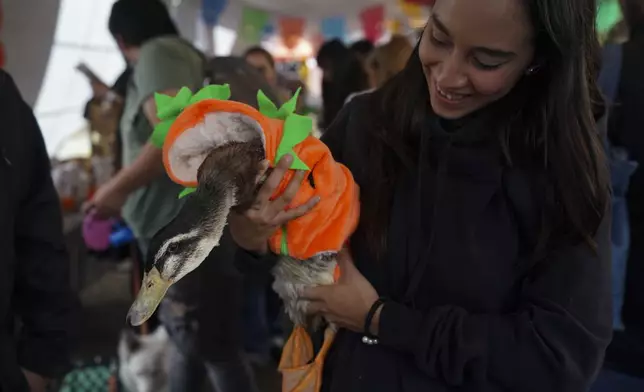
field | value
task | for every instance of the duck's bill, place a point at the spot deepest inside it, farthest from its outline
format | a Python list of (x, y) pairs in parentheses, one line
[(152, 291)]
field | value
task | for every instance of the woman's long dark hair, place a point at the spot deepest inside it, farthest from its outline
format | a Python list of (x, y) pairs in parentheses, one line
[(551, 118)]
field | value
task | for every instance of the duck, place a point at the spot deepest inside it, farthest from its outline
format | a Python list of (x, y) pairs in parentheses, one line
[(215, 147)]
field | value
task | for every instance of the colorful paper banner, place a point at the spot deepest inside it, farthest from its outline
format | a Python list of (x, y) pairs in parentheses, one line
[(211, 10), (410, 9), (335, 27), (396, 26), (269, 29), (252, 25), (291, 31), (373, 20), (421, 2)]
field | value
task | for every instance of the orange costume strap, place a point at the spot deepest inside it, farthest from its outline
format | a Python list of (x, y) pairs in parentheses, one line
[(300, 371)]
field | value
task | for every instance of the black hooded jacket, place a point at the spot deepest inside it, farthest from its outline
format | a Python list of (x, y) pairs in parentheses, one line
[(34, 270), (471, 308), (626, 122)]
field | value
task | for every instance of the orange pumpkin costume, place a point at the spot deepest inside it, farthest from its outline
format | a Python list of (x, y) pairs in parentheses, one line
[(324, 229)]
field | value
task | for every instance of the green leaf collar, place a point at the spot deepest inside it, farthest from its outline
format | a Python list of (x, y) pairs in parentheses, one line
[(296, 127)]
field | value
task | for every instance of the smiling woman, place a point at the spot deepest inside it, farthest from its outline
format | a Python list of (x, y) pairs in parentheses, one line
[(479, 60), (482, 253)]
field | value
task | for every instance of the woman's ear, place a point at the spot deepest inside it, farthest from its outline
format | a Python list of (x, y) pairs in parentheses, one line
[(534, 67), (531, 70)]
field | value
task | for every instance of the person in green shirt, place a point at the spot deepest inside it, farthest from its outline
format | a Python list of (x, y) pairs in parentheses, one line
[(147, 199)]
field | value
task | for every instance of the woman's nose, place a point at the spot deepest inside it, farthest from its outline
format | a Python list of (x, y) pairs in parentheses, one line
[(450, 73)]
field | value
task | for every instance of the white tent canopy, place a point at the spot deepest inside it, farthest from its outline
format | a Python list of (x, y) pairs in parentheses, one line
[(80, 34)]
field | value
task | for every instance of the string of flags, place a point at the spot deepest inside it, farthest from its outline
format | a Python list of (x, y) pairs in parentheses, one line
[(256, 24)]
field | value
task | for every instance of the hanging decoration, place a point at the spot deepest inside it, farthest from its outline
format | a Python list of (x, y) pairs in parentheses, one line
[(269, 29), (396, 26), (291, 31), (334, 27), (373, 19), (414, 14), (253, 23), (211, 11), (421, 2), (412, 10)]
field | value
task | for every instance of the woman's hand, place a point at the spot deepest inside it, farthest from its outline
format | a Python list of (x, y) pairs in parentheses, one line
[(107, 202), (347, 302), (252, 229)]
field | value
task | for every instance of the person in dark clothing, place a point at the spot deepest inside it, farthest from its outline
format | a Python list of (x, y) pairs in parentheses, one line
[(625, 122), (343, 75), (482, 257), (362, 49), (37, 306)]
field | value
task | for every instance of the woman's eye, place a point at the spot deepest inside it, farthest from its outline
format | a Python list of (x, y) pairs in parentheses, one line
[(437, 41), (485, 66)]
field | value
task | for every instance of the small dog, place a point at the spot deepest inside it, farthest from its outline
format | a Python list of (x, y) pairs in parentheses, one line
[(143, 361)]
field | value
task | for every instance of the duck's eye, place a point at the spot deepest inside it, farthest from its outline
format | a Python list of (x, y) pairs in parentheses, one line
[(173, 248)]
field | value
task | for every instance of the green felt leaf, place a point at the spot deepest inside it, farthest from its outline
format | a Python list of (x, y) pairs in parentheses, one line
[(186, 192), (162, 100), (214, 91), (298, 164), (266, 106), (290, 105), (160, 132), (296, 129), (171, 108)]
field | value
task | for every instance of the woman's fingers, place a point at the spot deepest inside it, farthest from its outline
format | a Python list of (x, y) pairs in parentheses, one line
[(274, 212), (297, 212), (316, 293), (280, 204), (315, 307), (273, 180), (263, 168)]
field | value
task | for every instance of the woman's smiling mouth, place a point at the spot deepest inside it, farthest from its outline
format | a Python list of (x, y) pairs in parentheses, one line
[(450, 97)]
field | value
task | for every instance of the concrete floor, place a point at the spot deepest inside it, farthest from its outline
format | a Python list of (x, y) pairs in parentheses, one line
[(106, 298)]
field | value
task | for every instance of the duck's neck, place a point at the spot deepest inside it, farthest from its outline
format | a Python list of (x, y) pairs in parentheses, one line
[(218, 201)]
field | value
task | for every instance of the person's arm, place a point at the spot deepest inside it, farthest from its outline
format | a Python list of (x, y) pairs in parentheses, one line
[(42, 297), (159, 70), (555, 341)]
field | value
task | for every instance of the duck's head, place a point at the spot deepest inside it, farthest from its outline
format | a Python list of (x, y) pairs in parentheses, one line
[(228, 179)]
